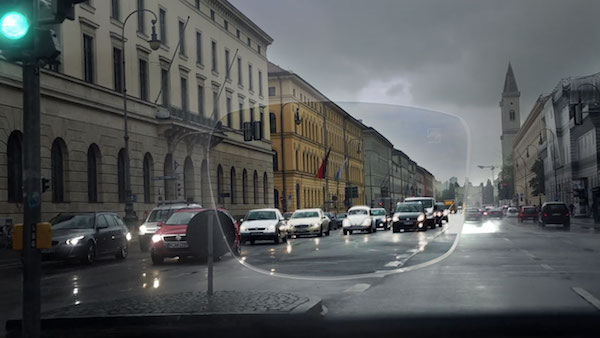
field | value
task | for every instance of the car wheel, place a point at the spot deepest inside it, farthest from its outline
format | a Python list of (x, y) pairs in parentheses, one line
[(90, 254), (122, 254), (345, 232), (277, 239), (350, 232), (328, 231), (157, 260), (320, 232), (144, 245)]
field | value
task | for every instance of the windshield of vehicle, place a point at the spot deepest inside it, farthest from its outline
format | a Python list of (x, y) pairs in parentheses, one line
[(556, 208), (529, 210), (409, 207), (287, 215), (377, 212), (341, 216), (181, 218), (358, 212), (305, 214), (261, 215), (427, 203), (159, 215), (70, 221), (473, 211)]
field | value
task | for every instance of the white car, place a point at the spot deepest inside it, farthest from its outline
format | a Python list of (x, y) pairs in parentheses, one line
[(308, 222), (360, 219), (264, 224), (512, 212)]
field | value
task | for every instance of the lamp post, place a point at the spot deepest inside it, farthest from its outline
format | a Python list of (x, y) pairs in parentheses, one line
[(130, 216), (554, 140)]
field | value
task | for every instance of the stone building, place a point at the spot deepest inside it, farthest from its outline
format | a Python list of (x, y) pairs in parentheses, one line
[(209, 51), (378, 165)]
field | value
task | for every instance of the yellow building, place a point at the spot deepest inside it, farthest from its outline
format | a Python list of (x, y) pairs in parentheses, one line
[(312, 125)]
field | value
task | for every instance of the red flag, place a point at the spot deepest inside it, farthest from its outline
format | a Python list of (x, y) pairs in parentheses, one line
[(323, 169)]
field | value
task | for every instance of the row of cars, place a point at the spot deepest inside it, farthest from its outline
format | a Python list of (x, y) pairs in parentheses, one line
[(548, 213)]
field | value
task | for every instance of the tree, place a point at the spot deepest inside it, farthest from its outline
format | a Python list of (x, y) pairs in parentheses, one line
[(537, 182)]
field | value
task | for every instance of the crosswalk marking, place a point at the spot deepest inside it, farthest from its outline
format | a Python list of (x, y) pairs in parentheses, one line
[(357, 288), (393, 264)]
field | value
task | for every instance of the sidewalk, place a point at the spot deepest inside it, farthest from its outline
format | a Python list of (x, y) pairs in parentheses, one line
[(584, 222)]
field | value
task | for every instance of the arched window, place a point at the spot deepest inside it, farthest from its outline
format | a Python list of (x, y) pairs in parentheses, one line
[(204, 184), (272, 123), (121, 175), (265, 189), (58, 159), (188, 179), (275, 161), (168, 172), (245, 187), (14, 154), (93, 164), (297, 196), (148, 183), (232, 185), (276, 197), (220, 184), (255, 187)]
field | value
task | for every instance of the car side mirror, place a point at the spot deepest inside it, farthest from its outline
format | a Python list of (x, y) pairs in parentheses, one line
[(101, 226), (241, 220)]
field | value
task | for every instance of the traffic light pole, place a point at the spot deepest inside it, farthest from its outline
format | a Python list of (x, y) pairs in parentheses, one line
[(32, 269)]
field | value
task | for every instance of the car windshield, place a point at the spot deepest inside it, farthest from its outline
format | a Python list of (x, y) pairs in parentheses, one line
[(409, 207), (181, 218), (427, 203), (261, 215), (341, 216), (66, 221), (556, 208), (358, 212), (159, 215), (305, 214), (287, 215), (377, 212), (530, 210)]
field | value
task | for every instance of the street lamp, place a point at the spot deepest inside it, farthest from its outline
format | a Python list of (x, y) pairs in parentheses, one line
[(130, 216), (554, 140)]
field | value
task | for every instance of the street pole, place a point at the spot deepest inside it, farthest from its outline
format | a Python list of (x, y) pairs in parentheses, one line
[(32, 269), (210, 249)]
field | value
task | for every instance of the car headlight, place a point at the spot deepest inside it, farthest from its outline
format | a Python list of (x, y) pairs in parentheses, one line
[(74, 240), (367, 221), (446, 212), (421, 218), (345, 222), (395, 218), (128, 236), (143, 229), (271, 228), (243, 228), (316, 225), (156, 238)]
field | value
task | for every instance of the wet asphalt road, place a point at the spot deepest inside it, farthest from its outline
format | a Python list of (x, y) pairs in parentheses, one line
[(490, 266)]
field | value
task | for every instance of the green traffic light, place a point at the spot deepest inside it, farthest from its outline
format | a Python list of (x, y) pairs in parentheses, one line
[(14, 25)]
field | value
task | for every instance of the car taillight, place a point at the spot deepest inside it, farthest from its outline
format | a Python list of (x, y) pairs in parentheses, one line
[(545, 215), (567, 214)]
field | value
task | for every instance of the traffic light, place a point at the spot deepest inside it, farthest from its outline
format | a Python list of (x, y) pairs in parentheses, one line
[(45, 184), (16, 33)]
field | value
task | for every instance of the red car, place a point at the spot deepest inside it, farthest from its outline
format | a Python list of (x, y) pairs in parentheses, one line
[(528, 212), (171, 239)]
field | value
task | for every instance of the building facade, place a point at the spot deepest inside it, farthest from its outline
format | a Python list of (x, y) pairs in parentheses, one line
[(510, 114), (428, 179), (184, 144), (305, 126), (378, 168)]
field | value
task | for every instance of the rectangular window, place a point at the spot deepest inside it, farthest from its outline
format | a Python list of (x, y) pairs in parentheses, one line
[(162, 18), (237, 33), (262, 121), (216, 103), (115, 9), (249, 42), (226, 25), (198, 47), (271, 91), (88, 58), (184, 94), (212, 15), (214, 56), (229, 119), (117, 69), (165, 87), (181, 37), (201, 100), (241, 115), (239, 67), (260, 86), (251, 114), (197, 4), (143, 79), (250, 84), (141, 22), (227, 73)]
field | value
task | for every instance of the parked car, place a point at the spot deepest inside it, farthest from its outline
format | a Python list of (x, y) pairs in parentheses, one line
[(496, 213), (264, 224), (528, 212), (380, 218), (473, 215), (86, 236), (308, 222), (360, 219), (429, 205), (287, 215), (512, 212), (409, 216), (333, 221), (155, 218), (170, 240), (555, 213)]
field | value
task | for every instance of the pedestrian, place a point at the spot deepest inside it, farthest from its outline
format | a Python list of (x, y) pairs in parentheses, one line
[(572, 208)]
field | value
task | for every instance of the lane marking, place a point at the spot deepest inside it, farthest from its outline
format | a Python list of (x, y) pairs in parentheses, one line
[(357, 288), (529, 254), (506, 239), (587, 296), (402, 256), (547, 267), (393, 264)]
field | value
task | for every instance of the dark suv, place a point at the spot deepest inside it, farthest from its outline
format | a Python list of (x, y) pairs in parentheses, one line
[(555, 213)]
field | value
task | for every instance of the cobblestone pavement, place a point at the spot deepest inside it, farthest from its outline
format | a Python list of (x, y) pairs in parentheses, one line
[(192, 303)]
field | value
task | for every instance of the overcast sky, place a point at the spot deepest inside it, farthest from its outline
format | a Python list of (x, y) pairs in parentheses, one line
[(443, 55)]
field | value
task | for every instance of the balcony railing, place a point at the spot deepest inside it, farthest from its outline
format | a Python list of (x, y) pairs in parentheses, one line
[(177, 113)]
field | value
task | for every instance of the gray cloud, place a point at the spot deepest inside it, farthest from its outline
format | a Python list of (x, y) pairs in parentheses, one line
[(444, 55)]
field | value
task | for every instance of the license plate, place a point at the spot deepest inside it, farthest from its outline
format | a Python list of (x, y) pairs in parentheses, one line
[(408, 223), (256, 233), (557, 214), (177, 245)]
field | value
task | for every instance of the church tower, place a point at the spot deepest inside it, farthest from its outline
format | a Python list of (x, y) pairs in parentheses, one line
[(511, 116)]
